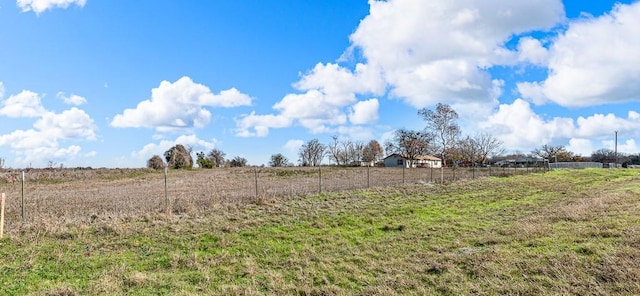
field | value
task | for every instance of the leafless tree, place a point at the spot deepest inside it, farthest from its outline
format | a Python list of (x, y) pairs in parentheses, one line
[(334, 151), (488, 146), (409, 144), (441, 123), (217, 158), (553, 153), (278, 160), (312, 153), (468, 149)]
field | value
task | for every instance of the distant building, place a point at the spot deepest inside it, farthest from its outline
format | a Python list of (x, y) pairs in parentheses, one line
[(425, 161)]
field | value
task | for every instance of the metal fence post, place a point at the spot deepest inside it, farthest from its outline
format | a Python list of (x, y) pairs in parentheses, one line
[(166, 196), (432, 174), (368, 176), (319, 180), (255, 172), (22, 194), (403, 173)]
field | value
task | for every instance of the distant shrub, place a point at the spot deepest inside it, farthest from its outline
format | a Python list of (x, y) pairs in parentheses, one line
[(178, 157), (155, 163)]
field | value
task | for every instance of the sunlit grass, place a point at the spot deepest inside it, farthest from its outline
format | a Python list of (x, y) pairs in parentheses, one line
[(562, 232)]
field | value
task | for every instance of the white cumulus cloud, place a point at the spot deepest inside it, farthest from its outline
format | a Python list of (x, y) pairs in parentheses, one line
[(520, 128), (72, 99), (594, 61), (181, 104), (438, 51), (24, 104), (39, 6), (365, 112), (45, 140)]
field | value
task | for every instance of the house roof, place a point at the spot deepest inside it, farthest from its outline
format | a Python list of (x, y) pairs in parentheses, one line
[(419, 157)]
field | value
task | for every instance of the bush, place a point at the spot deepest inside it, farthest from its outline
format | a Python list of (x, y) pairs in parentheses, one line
[(155, 163), (178, 157)]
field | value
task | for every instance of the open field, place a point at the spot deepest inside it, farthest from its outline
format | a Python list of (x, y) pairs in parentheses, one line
[(76, 195), (560, 232)]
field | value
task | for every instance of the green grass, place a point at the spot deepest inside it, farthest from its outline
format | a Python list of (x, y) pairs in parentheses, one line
[(562, 232)]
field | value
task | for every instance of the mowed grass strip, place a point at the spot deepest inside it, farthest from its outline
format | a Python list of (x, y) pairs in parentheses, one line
[(561, 232)]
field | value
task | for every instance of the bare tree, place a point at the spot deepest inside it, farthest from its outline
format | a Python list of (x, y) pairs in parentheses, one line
[(488, 146), (603, 155), (312, 153), (353, 152), (278, 160), (553, 153), (334, 150), (1, 163), (468, 150), (409, 144), (441, 123), (238, 162), (217, 157)]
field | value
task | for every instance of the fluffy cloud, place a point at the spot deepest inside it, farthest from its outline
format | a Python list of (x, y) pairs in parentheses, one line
[(70, 124), (365, 112), (531, 50), (179, 105), (75, 100), (260, 124), (594, 61), (423, 52), (39, 6), (437, 51), (43, 142), (522, 129), (24, 104)]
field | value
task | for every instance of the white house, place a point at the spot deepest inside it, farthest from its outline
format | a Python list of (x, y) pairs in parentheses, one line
[(425, 161)]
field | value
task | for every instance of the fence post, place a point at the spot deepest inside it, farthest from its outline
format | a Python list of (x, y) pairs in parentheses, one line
[(166, 196), (256, 177), (22, 196), (368, 176), (319, 180), (431, 173), (2, 216), (473, 170), (403, 173)]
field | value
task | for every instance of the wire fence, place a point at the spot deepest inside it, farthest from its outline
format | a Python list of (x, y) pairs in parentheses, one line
[(86, 195)]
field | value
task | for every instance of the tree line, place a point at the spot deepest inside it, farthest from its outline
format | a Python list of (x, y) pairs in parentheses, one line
[(441, 136)]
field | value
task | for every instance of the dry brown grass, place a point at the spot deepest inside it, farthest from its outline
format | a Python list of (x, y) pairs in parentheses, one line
[(83, 196)]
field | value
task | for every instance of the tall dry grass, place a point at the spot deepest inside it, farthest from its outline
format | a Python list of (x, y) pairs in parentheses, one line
[(83, 196)]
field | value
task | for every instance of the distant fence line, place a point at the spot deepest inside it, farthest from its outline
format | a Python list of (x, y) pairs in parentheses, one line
[(82, 194), (575, 165)]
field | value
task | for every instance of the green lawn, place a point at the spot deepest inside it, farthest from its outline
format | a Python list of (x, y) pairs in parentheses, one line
[(561, 232)]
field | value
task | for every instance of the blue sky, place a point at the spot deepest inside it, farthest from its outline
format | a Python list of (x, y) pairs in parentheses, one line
[(111, 83)]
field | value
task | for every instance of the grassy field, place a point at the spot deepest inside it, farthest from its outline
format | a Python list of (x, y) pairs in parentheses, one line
[(561, 232)]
